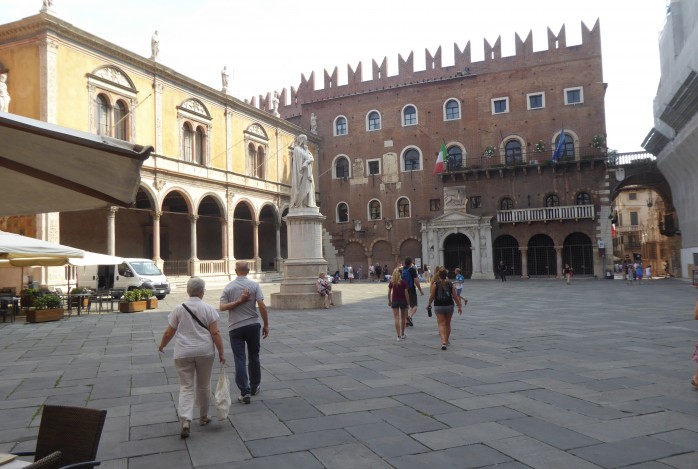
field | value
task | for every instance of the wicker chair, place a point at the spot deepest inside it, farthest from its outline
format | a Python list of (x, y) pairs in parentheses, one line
[(74, 431), (52, 461)]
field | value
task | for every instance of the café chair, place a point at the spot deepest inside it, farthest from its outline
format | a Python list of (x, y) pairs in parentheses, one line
[(74, 431), (5, 309), (52, 461)]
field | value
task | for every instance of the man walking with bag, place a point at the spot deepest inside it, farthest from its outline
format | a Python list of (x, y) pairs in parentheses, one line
[(409, 274), (244, 300)]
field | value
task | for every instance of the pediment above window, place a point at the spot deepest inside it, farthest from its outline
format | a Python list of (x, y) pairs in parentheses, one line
[(258, 131), (196, 107), (113, 75)]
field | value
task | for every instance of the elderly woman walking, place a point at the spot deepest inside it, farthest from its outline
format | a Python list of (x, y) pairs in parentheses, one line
[(194, 325)]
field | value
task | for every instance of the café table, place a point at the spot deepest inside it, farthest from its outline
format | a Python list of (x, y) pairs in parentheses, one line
[(80, 297)]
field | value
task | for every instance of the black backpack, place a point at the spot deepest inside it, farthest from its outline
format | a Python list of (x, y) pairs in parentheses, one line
[(443, 294)]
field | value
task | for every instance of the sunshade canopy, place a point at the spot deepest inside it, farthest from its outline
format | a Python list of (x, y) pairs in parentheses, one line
[(48, 168)]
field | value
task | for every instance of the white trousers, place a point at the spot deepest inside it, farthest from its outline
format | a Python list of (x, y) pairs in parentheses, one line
[(194, 373)]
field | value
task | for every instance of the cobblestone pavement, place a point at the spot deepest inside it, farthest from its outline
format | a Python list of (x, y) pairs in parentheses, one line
[(539, 375)]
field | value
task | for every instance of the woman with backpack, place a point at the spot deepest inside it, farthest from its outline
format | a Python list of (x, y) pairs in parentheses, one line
[(443, 294), (397, 299)]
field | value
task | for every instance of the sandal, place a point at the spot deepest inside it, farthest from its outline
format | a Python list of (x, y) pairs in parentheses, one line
[(204, 420)]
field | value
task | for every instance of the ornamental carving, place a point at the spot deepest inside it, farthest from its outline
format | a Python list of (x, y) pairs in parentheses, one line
[(195, 106), (114, 75), (256, 129)]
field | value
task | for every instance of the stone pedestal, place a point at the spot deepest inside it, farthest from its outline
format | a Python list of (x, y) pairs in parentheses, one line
[(304, 264)]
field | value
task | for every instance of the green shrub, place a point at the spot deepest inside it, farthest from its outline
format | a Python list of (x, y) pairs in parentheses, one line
[(47, 302)]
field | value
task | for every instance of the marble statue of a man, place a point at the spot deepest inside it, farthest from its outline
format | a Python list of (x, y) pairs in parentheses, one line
[(302, 185), (155, 45), (224, 78)]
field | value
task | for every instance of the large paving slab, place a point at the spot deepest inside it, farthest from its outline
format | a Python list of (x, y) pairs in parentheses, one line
[(539, 375)]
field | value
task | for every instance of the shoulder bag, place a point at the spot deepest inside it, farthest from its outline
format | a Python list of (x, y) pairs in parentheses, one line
[(194, 316)]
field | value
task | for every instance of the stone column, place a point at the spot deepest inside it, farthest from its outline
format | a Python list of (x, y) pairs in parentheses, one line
[(524, 262), (599, 264), (278, 260), (156, 238), (193, 260), (255, 246), (224, 240), (304, 263), (158, 86), (558, 261), (111, 230)]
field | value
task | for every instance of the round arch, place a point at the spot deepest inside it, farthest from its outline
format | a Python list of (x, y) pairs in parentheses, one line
[(541, 256), (355, 256), (505, 248), (578, 252), (457, 253), (244, 218), (266, 235), (382, 254)]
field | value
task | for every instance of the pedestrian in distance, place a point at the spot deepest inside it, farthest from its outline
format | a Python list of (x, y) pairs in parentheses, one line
[(247, 317), (194, 326), (359, 273), (459, 280), (350, 273), (324, 288), (409, 274), (427, 274), (371, 272), (346, 272), (443, 295), (567, 272), (397, 300), (502, 271), (648, 273), (638, 273)]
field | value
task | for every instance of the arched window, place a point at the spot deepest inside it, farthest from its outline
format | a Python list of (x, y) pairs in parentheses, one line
[(552, 200), (121, 120), (583, 198), (455, 158), (374, 120), (251, 159), (374, 210), (342, 213), (260, 162), (200, 154), (567, 146), (452, 110), (187, 142), (506, 204), (403, 207), (341, 168), (103, 115), (340, 126), (512, 152), (411, 160), (409, 115)]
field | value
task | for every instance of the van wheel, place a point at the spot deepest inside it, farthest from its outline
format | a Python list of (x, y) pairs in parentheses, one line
[(160, 297)]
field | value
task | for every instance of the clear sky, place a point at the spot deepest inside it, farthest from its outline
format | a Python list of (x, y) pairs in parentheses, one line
[(268, 44)]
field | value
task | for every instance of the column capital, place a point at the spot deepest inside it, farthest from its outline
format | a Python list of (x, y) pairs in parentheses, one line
[(112, 210), (193, 218), (156, 214)]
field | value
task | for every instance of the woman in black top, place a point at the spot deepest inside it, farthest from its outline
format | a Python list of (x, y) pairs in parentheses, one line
[(443, 294)]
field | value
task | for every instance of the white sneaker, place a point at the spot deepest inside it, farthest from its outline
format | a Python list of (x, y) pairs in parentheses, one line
[(399, 339), (403, 336)]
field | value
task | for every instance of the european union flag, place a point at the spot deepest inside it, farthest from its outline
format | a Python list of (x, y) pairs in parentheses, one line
[(560, 145)]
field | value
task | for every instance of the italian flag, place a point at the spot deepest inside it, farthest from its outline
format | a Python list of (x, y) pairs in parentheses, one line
[(441, 160)]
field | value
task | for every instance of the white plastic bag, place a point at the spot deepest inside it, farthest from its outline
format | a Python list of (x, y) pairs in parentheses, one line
[(222, 395)]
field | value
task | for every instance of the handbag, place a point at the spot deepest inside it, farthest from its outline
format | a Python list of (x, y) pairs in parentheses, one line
[(222, 395), (695, 312)]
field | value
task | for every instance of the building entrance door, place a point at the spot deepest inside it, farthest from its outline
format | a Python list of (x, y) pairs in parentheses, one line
[(458, 253)]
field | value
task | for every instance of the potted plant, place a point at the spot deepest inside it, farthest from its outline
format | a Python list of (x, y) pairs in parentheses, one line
[(152, 302), (46, 308), (540, 147), (133, 302), (28, 296), (77, 299)]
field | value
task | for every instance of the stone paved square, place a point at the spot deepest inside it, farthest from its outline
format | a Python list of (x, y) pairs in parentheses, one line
[(539, 375)]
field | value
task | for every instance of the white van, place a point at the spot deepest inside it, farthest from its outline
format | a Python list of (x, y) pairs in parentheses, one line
[(129, 275)]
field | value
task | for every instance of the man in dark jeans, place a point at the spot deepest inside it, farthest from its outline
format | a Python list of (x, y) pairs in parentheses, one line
[(244, 299), (409, 274)]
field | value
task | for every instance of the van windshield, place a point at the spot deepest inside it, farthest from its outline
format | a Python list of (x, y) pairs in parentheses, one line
[(145, 268)]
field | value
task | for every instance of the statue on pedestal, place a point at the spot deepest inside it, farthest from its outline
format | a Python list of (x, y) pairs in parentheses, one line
[(302, 185), (154, 45), (224, 79)]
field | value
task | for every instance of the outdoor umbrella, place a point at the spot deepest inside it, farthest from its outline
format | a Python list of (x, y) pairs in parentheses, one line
[(20, 251)]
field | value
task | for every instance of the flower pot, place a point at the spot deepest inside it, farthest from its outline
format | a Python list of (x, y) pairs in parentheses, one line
[(44, 315), (132, 306), (152, 303)]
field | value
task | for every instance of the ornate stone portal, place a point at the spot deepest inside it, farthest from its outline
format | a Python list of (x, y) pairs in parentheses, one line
[(455, 220)]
